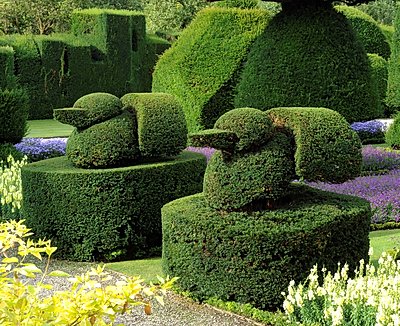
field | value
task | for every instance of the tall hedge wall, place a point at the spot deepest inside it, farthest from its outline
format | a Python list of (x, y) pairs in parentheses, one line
[(107, 51), (308, 56), (393, 92), (202, 67), (6, 66), (367, 31), (379, 70), (104, 214), (250, 257)]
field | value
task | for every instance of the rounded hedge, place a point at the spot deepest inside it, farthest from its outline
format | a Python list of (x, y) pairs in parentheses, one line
[(367, 31), (379, 71), (110, 143), (103, 214), (250, 257), (245, 179), (8, 149), (252, 127), (203, 66), (242, 4), (161, 124), (327, 149), (392, 135), (308, 56), (13, 115)]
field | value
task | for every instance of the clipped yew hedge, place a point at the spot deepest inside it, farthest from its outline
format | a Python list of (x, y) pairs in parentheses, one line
[(250, 257), (105, 214), (367, 30), (308, 56), (327, 149), (203, 66)]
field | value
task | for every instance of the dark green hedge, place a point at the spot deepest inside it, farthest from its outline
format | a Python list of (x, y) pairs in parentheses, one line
[(107, 51), (7, 149), (250, 257), (242, 4), (108, 213), (392, 135), (379, 70), (13, 115), (253, 127), (326, 147), (308, 56), (6, 67), (367, 31), (108, 144), (393, 93), (90, 109), (161, 124), (202, 67), (245, 179)]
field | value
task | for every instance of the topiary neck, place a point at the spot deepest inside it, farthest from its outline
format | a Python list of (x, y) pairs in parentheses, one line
[(290, 6)]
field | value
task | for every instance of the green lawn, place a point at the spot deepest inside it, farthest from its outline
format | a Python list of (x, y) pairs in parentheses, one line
[(48, 129), (382, 241)]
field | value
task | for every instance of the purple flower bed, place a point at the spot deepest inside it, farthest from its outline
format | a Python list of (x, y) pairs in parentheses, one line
[(37, 149), (382, 191), (377, 160), (207, 151)]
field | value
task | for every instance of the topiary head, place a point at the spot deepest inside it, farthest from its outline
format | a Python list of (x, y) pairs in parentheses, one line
[(90, 110), (238, 130)]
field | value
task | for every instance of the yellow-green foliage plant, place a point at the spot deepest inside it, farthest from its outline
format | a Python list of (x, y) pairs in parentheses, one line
[(372, 297), (88, 302), (11, 187)]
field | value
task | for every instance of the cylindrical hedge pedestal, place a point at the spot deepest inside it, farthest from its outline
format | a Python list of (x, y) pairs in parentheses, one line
[(103, 214), (250, 257)]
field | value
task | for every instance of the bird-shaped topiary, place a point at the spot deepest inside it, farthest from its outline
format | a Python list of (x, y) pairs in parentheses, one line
[(252, 229), (115, 132)]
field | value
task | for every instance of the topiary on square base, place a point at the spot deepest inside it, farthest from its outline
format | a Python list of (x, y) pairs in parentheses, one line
[(250, 257), (104, 214)]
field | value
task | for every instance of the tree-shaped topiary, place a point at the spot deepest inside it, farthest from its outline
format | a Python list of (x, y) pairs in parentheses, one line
[(251, 230)]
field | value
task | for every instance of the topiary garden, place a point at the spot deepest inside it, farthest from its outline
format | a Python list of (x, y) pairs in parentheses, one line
[(252, 230), (123, 162)]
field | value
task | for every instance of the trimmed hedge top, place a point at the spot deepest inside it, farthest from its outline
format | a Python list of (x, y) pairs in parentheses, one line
[(89, 110), (162, 130), (112, 132), (255, 161), (327, 149), (367, 30), (202, 67)]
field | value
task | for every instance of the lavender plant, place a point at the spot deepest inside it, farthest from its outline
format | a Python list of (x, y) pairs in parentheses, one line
[(382, 191), (37, 149), (370, 132), (379, 160)]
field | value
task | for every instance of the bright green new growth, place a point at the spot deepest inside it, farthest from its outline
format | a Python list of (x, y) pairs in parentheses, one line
[(308, 56), (367, 31), (161, 124), (392, 135), (88, 301), (242, 4), (203, 66), (326, 147)]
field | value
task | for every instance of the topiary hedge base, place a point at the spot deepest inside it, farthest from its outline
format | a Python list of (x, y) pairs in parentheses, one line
[(251, 257), (103, 214)]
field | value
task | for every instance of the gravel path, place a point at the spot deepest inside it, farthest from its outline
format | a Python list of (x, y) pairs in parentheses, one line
[(177, 310)]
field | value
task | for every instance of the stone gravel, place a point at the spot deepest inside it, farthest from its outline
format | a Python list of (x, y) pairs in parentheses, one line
[(177, 310)]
